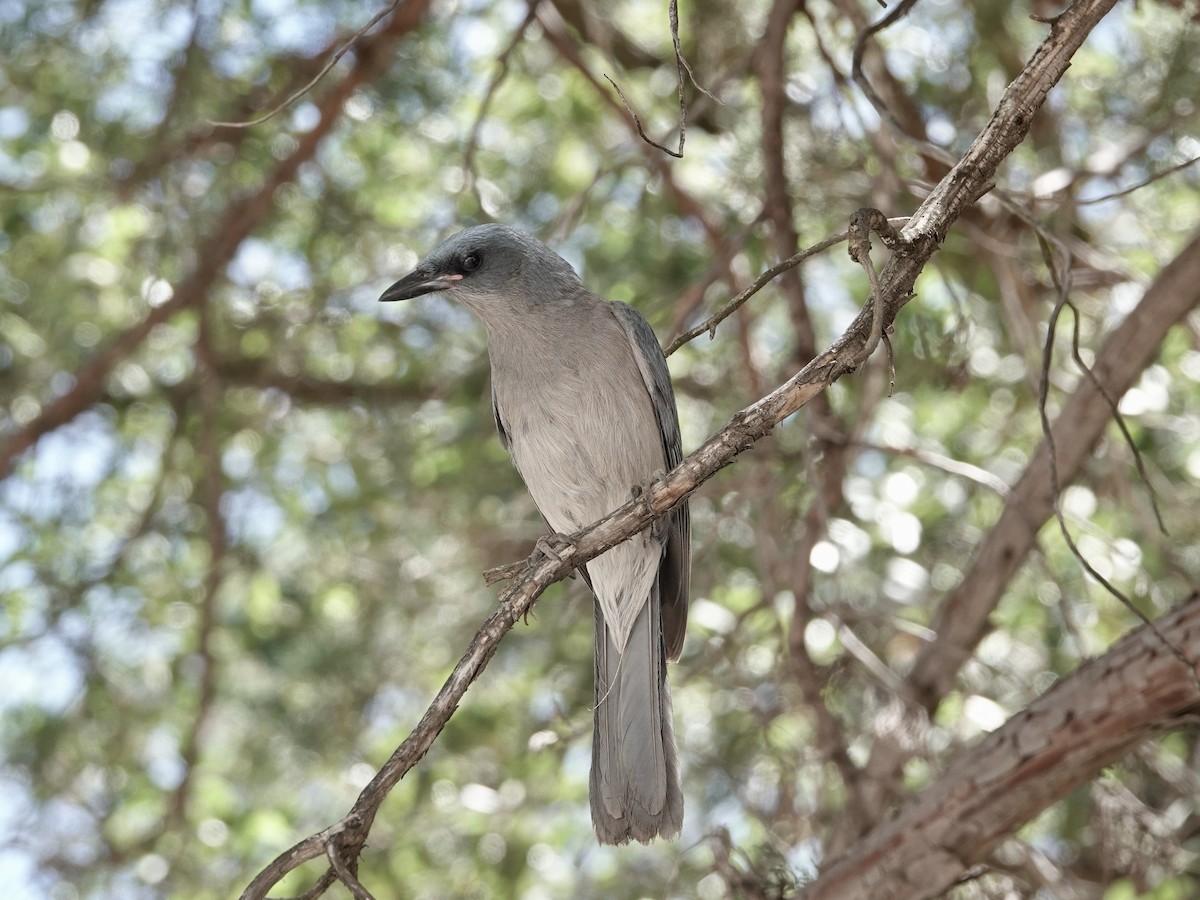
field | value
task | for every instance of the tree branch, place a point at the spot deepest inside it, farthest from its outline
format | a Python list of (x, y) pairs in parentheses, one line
[(967, 181), (312, 82), (553, 26), (1085, 722), (962, 619)]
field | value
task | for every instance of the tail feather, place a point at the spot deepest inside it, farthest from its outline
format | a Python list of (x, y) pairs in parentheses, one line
[(635, 787)]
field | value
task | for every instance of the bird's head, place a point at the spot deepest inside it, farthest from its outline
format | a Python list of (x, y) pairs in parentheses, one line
[(492, 270)]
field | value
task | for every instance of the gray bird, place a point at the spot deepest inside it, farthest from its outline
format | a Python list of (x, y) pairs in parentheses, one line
[(583, 404)]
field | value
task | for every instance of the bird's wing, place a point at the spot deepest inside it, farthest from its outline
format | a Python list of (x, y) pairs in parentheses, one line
[(500, 429), (675, 573)]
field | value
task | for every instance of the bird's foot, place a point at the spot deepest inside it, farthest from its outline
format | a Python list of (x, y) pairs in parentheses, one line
[(552, 546), (643, 491)]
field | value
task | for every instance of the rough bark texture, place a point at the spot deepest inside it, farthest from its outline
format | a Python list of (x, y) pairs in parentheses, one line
[(1087, 721)]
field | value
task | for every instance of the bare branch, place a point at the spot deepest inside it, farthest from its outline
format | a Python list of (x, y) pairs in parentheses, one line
[(637, 121), (860, 78), (333, 61), (553, 24), (946, 464), (681, 68), (1186, 164), (710, 324), (1087, 721), (921, 238), (682, 63), (1061, 275), (862, 223)]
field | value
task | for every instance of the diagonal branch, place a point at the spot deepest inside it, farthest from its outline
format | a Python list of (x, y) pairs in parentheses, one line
[(1063, 739), (710, 324), (312, 83), (967, 181)]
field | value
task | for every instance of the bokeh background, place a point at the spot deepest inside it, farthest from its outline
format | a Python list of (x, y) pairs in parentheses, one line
[(245, 506)]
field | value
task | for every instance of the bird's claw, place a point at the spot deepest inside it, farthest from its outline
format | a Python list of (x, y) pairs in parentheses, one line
[(552, 546), (643, 491)]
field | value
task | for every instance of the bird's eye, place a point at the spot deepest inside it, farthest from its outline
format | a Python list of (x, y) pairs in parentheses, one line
[(471, 262)]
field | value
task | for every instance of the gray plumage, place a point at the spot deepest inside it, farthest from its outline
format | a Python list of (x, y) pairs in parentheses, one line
[(583, 404)]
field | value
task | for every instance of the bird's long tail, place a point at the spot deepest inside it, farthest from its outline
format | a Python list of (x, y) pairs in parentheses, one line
[(635, 787)]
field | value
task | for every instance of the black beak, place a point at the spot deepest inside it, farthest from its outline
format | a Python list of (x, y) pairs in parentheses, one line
[(419, 282)]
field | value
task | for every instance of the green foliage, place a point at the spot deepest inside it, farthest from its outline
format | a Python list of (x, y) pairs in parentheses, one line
[(232, 584)]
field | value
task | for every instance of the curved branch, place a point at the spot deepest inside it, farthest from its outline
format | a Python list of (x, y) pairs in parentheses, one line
[(312, 82), (967, 181)]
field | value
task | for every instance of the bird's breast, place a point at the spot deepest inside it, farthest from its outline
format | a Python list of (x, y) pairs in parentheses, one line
[(582, 432)]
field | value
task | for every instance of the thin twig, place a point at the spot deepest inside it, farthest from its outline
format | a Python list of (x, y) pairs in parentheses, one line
[(868, 659), (333, 61), (860, 48), (344, 873), (673, 17), (468, 163), (710, 324), (682, 65), (1045, 238), (1061, 276), (570, 50), (862, 223), (1141, 184), (946, 464), (681, 68), (641, 130), (1118, 417)]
